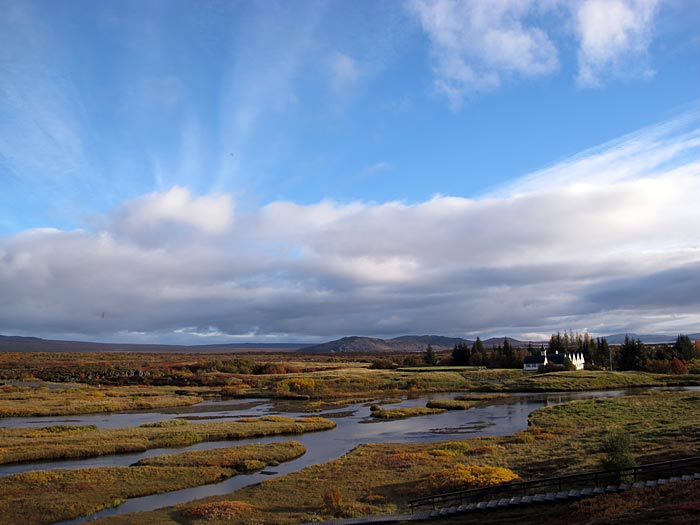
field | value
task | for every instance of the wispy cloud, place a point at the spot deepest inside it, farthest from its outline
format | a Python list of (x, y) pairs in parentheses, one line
[(343, 71), (40, 114), (672, 146), (568, 247), (260, 83)]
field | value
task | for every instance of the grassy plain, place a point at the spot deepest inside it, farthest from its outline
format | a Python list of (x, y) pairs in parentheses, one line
[(144, 381), (58, 495), (20, 401), (375, 479), (66, 442)]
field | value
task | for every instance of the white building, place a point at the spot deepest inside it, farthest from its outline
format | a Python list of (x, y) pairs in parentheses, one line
[(532, 363)]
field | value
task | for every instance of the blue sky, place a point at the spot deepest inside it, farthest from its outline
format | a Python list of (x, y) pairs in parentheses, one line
[(205, 171)]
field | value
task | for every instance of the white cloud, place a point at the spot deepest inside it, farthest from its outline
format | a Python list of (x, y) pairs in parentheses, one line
[(614, 38), (153, 216), (573, 246), (480, 43)]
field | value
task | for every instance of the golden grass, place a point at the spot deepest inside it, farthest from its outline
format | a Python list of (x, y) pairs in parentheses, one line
[(34, 444), (403, 413), (34, 498), (67, 494), (450, 404), (242, 458), (19, 401)]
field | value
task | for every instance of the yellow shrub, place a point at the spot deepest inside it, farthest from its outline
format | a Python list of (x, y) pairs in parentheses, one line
[(463, 477), (441, 452)]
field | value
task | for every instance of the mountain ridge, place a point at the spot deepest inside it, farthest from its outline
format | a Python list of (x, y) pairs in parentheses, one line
[(348, 344)]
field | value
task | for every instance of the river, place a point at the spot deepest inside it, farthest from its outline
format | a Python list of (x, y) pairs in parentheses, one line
[(495, 417)]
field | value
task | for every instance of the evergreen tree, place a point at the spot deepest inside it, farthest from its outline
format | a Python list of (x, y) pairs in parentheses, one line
[(460, 355), (633, 354), (603, 353), (477, 354), (478, 346), (508, 353), (429, 357), (684, 348), (557, 344)]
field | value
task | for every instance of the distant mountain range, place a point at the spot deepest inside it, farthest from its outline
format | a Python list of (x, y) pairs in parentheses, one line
[(370, 345), (405, 343), (11, 343), (352, 344)]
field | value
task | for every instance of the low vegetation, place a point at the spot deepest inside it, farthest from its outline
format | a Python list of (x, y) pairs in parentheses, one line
[(65, 442), (19, 401), (378, 479), (402, 413), (57, 495), (243, 458), (580, 380), (450, 404)]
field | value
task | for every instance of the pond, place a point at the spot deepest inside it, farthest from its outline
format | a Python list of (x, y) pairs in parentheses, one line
[(495, 417)]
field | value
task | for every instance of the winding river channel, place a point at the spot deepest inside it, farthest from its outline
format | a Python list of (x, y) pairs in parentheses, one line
[(496, 417)]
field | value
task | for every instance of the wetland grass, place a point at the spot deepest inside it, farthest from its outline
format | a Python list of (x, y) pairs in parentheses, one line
[(403, 413), (450, 404), (23, 401), (58, 495), (36, 444)]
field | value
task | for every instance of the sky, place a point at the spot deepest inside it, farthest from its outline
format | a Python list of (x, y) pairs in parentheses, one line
[(261, 171)]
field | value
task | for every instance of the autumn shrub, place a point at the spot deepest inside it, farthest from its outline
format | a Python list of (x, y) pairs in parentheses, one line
[(333, 500), (464, 477), (618, 454), (250, 465), (219, 510), (677, 367)]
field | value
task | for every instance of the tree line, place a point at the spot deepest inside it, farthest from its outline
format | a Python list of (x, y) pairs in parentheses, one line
[(678, 357)]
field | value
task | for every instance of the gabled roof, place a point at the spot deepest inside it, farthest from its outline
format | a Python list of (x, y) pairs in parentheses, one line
[(534, 360)]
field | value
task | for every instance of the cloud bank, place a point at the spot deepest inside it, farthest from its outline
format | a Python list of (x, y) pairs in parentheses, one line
[(604, 241)]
